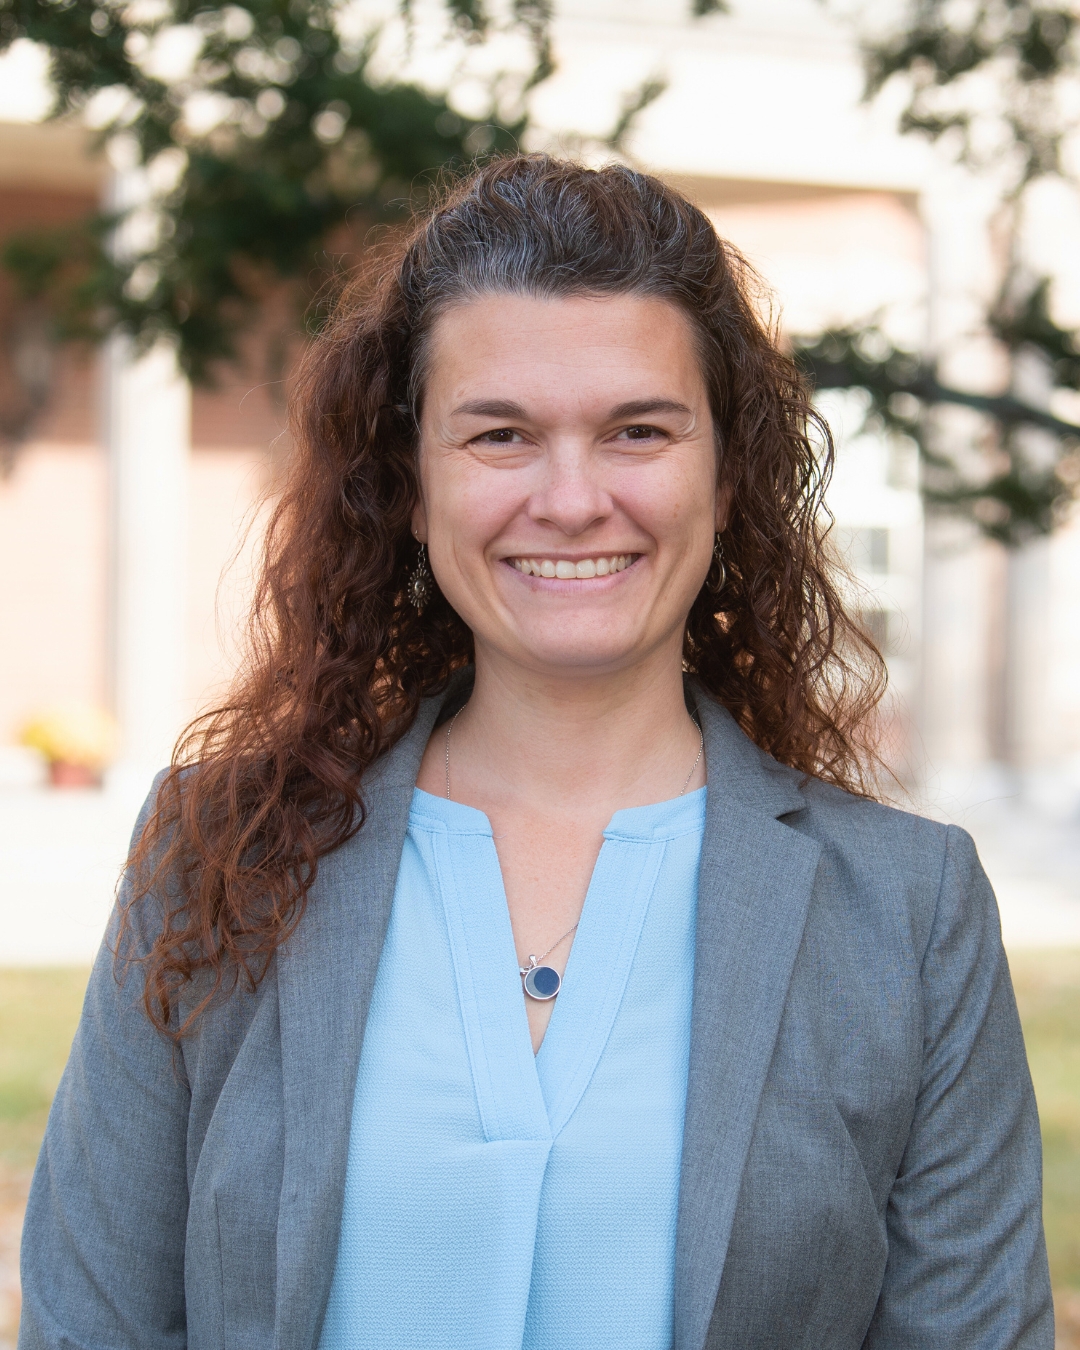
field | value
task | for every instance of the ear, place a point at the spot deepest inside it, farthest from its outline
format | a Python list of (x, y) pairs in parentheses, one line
[(419, 522)]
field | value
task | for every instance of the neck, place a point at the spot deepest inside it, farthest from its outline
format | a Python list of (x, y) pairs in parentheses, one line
[(563, 743)]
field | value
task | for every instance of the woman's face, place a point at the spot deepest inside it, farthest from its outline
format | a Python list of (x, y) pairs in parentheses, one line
[(568, 478)]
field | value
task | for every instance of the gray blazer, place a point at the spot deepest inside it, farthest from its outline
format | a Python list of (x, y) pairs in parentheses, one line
[(861, 1164)]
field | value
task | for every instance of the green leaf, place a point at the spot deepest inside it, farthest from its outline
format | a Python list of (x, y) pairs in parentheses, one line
[(308, 144), (1024, 498)]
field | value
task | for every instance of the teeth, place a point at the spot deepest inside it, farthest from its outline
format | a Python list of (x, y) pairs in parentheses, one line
[(565, 570)]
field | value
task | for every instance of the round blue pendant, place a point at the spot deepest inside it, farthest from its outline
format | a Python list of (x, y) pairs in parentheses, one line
[(542, 982)]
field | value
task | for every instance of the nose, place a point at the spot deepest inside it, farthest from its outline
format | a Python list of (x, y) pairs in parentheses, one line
[(570, 495)]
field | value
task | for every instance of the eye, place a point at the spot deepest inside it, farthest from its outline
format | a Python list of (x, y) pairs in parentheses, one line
[(640, 433), (499, 436)]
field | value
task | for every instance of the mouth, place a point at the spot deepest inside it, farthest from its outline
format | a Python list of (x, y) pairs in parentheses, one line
[(575, 569)]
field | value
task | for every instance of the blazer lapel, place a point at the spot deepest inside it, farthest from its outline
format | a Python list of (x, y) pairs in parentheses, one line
[(325, 975), (753, 891)]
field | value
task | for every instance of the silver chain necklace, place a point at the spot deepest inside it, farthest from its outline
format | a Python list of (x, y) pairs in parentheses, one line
[(544, 982)]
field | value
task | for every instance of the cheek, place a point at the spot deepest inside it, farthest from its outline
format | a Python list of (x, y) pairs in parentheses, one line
[(675, 504), (466, 507)]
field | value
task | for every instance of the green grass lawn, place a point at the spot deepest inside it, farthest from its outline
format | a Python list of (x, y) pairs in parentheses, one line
[(39, 1009), (1048, 993), (38, 1013)]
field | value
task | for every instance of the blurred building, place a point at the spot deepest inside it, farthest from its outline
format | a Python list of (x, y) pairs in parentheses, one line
[(763, 126), (59, 554)]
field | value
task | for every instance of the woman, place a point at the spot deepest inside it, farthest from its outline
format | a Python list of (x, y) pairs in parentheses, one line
[(550, 733)]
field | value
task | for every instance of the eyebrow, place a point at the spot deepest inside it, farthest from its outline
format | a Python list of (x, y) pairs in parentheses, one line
[(642, 407), (507, 408), (489, 407)]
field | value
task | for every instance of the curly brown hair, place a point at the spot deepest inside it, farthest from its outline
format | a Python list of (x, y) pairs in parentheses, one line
[(261, 788)]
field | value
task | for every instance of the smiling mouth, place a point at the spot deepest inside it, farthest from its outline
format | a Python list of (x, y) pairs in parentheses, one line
[(581, 569)]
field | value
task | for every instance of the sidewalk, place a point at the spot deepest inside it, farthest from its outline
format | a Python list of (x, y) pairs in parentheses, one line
[(61, 854), (1034, 864)]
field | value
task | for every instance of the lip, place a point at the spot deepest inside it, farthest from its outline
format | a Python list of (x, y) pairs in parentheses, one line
[(572, 557)]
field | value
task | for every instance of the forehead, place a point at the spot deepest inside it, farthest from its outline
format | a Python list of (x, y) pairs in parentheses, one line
[(618, 346)]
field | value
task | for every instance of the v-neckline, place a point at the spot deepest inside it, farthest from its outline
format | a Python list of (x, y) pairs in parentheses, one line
[(548, 1084)]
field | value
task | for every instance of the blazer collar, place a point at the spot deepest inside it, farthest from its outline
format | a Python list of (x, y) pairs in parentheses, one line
[(754, 888)]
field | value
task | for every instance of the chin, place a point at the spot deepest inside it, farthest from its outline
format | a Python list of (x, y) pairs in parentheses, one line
[(582, 656)]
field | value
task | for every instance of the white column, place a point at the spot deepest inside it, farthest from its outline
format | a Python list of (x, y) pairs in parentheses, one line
[(963, 590), (960, 635), (148, 439), (147, 436), (1033, 739)]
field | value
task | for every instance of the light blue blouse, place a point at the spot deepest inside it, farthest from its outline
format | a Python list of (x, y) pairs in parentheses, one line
[(495, 1200)]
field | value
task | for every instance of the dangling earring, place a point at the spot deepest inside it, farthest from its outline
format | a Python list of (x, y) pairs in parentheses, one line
[(721, 570), (420, 581)]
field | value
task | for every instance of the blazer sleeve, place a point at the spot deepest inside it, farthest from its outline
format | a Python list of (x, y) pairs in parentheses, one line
[(103, 1241), (967, 1259)]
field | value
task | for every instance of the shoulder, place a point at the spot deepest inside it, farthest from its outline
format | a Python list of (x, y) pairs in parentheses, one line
[(849, 822), (847, 826), (895, 869)]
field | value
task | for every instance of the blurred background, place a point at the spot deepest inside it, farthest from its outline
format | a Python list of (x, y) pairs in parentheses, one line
[(183, 184)]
